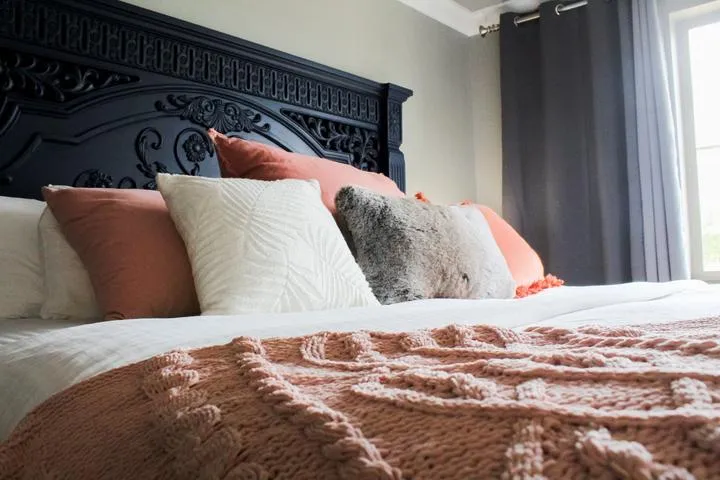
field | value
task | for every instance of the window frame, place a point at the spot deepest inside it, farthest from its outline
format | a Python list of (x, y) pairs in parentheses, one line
[(683, 18)]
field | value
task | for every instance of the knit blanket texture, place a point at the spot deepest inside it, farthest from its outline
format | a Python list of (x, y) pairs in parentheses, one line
[(458, 402)]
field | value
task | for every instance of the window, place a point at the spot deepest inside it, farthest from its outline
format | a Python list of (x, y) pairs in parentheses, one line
[(696, 33)]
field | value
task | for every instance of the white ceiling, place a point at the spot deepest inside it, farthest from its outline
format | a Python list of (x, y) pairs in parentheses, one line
[(466, 16), (474, 5)]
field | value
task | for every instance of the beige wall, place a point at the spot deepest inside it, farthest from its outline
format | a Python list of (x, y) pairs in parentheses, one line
[(486, 113), (385, 41)]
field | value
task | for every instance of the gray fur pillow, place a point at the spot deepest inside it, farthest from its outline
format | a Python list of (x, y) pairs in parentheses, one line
[(411, 250)]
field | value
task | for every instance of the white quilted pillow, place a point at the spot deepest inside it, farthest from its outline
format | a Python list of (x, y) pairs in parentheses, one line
[(21, 281), (68, 291), (258, 246)]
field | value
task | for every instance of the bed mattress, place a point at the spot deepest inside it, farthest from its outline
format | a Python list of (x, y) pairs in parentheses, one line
[(38, 360)]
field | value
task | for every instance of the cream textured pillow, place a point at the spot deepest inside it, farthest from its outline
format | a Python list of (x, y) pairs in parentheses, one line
[(68, 291), (259, 246), (21, 281)]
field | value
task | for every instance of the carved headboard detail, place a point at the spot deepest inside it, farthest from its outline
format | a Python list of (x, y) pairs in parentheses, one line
[(100, 93)]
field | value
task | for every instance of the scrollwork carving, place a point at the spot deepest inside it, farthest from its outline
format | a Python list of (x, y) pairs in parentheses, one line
[(146, 167), (191, 145), (194, 146), (361, 143), (96, 178), (69, 29), (214, 113), (44, 79), (93, 178), (395, 124)]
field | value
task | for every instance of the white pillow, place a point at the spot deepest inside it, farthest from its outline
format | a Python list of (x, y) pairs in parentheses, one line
[(257, 246), (21, 278), (68, 291)]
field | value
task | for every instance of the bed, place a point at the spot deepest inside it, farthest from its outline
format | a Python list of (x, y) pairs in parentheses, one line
[(104, 94), (38, 358)]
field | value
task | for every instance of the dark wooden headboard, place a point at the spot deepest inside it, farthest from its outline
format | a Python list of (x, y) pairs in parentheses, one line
[(99, 93)]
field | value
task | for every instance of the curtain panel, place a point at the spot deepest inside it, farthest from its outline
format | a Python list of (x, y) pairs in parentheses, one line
[(574, 147)]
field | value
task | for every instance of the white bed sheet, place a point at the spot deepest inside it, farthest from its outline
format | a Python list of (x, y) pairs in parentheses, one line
[(14, 329), (37, 364)]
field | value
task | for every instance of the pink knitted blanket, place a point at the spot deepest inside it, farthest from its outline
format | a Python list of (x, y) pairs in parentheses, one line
[(456, 402)]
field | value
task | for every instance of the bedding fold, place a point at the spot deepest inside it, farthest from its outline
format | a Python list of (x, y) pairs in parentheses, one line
[(461, 401)]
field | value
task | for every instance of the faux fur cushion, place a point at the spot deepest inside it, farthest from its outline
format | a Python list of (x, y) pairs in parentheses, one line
[(410, 250)]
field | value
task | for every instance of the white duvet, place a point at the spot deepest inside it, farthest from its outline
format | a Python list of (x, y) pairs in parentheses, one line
[(40, 361)]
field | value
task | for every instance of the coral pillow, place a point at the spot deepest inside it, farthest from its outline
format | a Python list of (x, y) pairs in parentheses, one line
[(134, 256), (525, 264), (240, 158), (550, 281)]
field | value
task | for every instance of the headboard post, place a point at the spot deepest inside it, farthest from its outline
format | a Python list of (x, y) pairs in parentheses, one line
[(395, 96)]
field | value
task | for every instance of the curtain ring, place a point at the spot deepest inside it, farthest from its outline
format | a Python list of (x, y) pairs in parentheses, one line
[(557, 8), (515, 20)]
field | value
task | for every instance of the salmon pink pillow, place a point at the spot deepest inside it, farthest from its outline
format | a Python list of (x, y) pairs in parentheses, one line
[(524, 263), (135, 258), (240, 158)]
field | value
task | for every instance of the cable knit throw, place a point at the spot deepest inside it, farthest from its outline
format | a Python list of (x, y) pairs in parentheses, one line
[(452, 403)]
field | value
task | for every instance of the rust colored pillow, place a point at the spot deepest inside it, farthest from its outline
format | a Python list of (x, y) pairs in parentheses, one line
[(240, 158), (135, 258)]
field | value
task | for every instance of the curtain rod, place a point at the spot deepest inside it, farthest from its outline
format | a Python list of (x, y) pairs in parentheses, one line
[(531, 17)]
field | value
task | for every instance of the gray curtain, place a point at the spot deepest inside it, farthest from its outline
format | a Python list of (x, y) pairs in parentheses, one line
[(576, 153), (658, 250)]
